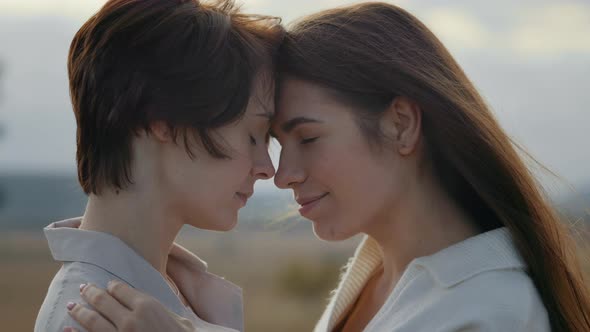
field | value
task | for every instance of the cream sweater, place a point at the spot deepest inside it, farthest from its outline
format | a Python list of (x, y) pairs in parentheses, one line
[(479, 284)]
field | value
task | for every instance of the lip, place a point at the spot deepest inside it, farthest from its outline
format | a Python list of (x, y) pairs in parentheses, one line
[(308, 203), (243, 197)]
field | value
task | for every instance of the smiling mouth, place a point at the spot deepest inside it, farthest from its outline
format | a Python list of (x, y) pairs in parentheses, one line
[(307, 205), (313, 200), (243, 197)]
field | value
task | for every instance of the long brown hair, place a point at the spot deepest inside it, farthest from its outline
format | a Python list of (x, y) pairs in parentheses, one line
[(370, 53)]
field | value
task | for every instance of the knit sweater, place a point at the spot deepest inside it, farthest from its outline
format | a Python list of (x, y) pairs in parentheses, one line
[(479, 284)]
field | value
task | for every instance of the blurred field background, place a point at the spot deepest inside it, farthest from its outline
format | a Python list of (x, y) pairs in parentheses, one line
[(286, 279), (530, 59), (286, 273)]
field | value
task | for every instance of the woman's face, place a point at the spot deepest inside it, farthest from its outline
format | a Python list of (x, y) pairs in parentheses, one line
[(207, 192), (344, 186)]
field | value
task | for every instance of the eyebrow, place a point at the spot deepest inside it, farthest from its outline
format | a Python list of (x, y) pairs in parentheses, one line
[(288, 126), (267, 115)]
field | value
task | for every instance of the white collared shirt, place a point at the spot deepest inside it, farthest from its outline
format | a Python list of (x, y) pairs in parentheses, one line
[(96, 257), (479, 284)]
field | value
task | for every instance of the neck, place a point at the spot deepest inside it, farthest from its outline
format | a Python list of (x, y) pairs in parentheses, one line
[(134, 218), (428, 222)]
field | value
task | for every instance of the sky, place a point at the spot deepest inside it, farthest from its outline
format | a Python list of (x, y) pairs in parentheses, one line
[(530, 59)]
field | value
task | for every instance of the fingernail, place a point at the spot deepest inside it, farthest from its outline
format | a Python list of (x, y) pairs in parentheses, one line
[(82, 286), (71, 305), (68, 329)]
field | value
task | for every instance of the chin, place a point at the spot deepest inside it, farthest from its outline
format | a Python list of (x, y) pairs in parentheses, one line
[(226, 227), (330, 233), (222, 224)]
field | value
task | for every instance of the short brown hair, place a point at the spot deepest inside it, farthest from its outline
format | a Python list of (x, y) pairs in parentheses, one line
[(186, 63)]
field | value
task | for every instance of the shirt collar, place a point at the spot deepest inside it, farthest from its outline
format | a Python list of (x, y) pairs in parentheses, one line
[(492, 250), (213, 298)]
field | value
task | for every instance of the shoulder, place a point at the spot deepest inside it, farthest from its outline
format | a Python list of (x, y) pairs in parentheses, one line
[(481, 281), (64, 288), (511, 288), (506, 299), (499, 300)]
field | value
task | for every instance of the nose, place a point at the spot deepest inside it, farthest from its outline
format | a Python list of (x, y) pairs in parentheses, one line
[(263, 168), (289, 173)]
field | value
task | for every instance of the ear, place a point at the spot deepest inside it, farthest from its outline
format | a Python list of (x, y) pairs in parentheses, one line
[(161, 131), (404, 118)]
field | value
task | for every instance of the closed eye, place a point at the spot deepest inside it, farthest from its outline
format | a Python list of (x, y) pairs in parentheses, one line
[(308, 140), (267, 138)]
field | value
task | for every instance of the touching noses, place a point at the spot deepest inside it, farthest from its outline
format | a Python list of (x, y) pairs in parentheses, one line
[(289, 173), (263, 168)]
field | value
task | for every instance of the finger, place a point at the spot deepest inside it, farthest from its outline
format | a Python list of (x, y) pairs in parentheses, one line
[(104, 303), (70, 329), (125, 294), (89, 319)]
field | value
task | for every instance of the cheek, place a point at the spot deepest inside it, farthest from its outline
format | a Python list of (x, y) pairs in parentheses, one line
[(342, 167), (209, 200), (363, 189), (204, 182), (221, 205), (224, 178), (185, 181)]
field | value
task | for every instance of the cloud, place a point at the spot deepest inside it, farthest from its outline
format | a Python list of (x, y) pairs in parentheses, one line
[(78, 10), (528, 29), (533, 31), (459, 28), (554, 29), (543, 104)]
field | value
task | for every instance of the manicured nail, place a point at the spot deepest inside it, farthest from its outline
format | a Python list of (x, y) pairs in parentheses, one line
[(82, 286), (71, 305)]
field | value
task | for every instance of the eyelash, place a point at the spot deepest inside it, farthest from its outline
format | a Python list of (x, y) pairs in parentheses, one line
[(254, 142), (308, 140)]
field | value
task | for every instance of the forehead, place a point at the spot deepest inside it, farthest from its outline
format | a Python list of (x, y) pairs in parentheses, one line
[(262, 99), (297, 97)]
